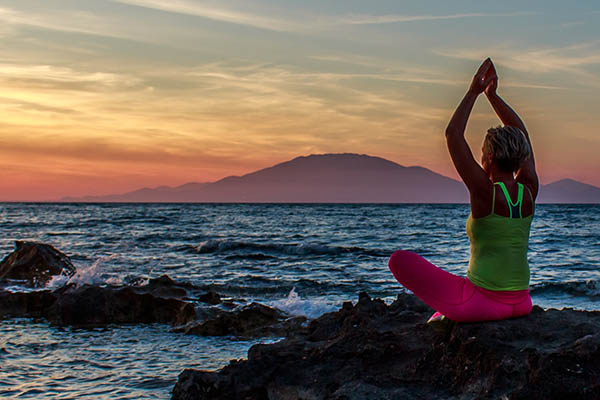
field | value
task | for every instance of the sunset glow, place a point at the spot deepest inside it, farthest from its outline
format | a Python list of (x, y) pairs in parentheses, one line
[(102, 97)]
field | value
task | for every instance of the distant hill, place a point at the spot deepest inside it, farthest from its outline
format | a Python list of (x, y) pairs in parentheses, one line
[(162, 194), (329, 178), (336, 178), (569, 191)]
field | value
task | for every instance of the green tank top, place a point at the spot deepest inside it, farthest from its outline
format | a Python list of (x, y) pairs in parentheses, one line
[(499, 247)]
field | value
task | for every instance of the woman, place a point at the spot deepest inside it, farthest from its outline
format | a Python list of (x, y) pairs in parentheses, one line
[(502, 192)]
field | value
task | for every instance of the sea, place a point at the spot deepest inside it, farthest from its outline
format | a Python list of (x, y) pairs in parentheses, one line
[(306, 259)]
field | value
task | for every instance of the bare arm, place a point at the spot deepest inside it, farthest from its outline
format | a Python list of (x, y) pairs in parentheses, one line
[(469, 170), (527, 173)]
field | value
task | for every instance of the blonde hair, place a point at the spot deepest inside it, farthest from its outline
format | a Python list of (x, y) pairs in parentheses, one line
[(509, 146)]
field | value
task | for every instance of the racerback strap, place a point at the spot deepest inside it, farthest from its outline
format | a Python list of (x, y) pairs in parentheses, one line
[(513, 208)]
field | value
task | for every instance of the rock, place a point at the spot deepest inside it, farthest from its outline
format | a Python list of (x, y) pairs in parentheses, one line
[(25, 304), (35, 263), (161, 300), (254, 320), (94, 305), (377, 351), (163, 286), (210, 298)]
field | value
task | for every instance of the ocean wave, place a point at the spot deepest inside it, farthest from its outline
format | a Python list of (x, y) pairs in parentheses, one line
[(257, 286), (251, 256), (296, 249), (86, 275), (296, 306), (589, 288)]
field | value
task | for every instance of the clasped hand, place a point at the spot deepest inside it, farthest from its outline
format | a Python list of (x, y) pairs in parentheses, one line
[(485, 79)]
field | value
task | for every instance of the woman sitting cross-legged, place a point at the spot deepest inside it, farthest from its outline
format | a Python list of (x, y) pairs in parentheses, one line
[(502, 195)]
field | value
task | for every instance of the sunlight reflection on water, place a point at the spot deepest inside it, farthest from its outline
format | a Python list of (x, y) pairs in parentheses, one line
[(142, 361)]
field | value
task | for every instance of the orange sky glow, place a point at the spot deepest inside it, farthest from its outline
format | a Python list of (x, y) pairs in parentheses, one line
[(104, 97)]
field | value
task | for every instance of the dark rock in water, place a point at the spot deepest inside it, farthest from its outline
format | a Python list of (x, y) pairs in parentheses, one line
[(254, 320), (25, 304), (35, 263), (159, 301), (163, 286), (375, 351), (94, 305), (210, 298)]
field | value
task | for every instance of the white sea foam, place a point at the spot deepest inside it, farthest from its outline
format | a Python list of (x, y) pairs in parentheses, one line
[(311, 309), (86, 275)]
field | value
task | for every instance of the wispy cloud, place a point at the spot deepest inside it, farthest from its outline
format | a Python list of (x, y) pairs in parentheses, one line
[(517, 84), (425, 75), (572, 24), (301, 23), (218, 13), (276, 109), (394, 18), (9, 104), (572, 60), (72, 21), (56, 74)]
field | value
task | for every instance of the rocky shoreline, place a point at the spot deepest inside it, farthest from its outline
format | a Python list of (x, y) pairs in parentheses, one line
[(376, 351), (187, 308), (367, 350)]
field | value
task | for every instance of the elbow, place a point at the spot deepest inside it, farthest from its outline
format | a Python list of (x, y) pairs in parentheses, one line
[(450, 132)]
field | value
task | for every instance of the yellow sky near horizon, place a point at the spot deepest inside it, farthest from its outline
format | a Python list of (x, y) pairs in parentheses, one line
[(103, 97)]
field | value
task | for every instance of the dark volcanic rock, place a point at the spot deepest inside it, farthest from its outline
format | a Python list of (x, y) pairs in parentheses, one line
[(25, 304), (375, 351), (161, 300), (254, 320), (94, 305), (35, 263), (164, 286), (210, 298)]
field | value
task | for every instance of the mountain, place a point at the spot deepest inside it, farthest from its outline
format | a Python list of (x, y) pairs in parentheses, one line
[(569, 191), (328, 178), (161, 194), (337, 178)]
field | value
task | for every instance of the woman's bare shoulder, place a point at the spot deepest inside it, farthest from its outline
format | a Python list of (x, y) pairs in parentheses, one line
[(481, 199)]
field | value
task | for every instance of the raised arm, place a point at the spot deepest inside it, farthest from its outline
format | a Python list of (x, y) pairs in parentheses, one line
[(469, 170), (527, 173)]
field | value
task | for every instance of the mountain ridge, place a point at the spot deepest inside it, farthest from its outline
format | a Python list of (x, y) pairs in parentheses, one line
[(335, 178)]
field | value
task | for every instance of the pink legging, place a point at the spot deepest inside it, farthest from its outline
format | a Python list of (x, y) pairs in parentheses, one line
[(455, 297)]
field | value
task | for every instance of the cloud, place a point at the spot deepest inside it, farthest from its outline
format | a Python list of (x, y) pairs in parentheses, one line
[(561, 59), (257, 79), (23, 105), (425, 75), (66, 21), (105, 150), (571, 24), (394, 18), (269, 87), (224, 112), (58, 74), (524, 85), (31, 91), (302, 23), (217, 13)]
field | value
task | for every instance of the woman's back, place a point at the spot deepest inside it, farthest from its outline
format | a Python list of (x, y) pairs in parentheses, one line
[(481, 203)]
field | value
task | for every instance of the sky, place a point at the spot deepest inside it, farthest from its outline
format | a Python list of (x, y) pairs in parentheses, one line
[(101, 97)]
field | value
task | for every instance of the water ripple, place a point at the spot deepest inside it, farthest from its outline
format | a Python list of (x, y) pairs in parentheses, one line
[(328, 253)]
